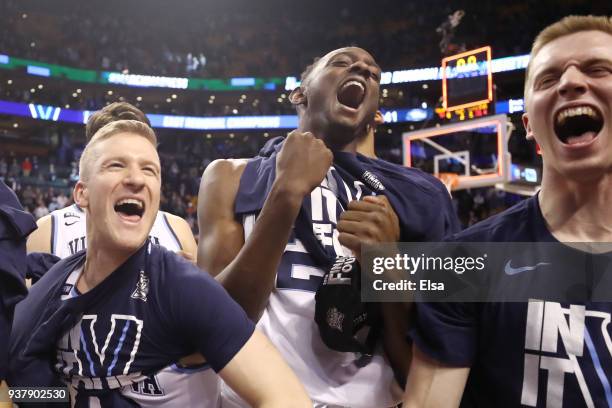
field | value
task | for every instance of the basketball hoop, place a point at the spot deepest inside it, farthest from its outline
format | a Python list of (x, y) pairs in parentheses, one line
[(450, 180)]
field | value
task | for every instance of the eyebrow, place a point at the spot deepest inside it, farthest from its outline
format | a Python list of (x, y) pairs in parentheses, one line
[(140, 161), (151, 163), (587, 63), (349, 54), (550, 70), (593, 61)]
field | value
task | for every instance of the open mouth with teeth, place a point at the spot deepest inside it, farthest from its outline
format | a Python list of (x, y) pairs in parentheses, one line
[(578, 125), (351, 94), (130, 209)]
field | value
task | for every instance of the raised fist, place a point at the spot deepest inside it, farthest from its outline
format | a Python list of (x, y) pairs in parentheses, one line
[(302, 162)]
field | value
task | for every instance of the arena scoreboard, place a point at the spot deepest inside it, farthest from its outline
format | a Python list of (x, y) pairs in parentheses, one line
[(467, 79)]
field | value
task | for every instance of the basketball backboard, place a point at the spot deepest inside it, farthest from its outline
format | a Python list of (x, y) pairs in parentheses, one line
[(472, 153)]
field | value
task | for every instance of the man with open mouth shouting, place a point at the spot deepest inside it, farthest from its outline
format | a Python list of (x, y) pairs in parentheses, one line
[(111, 316), (303, 201), (543, 352), (63, 233)]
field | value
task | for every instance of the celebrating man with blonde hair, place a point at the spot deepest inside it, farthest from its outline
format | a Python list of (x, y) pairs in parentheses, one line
[(543, 352), (108, 317)]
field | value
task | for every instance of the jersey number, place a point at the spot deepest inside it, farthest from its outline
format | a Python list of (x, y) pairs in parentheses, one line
[(298, 272)]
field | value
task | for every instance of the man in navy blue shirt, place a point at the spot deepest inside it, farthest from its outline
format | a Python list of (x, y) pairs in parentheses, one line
[(301, 203), (108, 317), (540, 353)]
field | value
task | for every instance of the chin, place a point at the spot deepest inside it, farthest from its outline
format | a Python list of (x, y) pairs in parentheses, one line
[(128, 241), (344, 131), (131, 245)]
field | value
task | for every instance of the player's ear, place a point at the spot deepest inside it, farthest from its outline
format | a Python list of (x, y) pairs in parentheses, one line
[(527, 126), (80, 194), (298, 96), (378, 118)]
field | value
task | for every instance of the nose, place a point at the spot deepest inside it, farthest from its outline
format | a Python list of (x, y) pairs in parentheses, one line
[(134, 178), (572, 83), (361, 68)]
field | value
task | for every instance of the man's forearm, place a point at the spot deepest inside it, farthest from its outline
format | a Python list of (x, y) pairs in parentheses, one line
[(396, 321), (250, 277)]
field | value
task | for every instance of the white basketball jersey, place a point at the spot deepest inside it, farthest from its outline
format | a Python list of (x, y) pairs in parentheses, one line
[(173, 386), (331, 378), (68, 232)]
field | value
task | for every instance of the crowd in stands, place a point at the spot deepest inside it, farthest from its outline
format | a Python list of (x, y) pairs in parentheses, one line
[(272, 38), (37, 184)]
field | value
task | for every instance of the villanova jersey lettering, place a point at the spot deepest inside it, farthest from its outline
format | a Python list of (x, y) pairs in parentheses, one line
[(325, 209), (556, 340), (148, 386), (324, 216), (297, 270), (100, 353), (76, 245)]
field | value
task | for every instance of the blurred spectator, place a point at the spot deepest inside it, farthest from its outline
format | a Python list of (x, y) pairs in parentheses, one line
[(74, 172), (26, 167), (41, 209), (3, 168), (15, 169), (35, 166), (62, 200), (52, 174), (53, 205)]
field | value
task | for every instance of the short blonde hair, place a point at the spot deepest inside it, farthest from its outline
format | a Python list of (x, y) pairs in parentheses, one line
[(113, 128), (566, 26), (111, 113)]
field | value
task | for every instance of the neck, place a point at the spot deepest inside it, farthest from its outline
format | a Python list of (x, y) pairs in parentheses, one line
[(577, 211), (366, 146), (100, 262), (336, 142)]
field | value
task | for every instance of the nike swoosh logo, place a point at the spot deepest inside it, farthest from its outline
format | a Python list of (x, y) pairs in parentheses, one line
[(515, 271), (69, 224)]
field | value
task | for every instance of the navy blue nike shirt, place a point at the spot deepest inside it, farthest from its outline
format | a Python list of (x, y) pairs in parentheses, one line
[(15, 225), (153, 310), (523, 354)]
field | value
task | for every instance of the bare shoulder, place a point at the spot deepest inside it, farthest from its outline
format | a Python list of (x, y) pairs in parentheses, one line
[(44, 222), (40, 239), (175, 220), (225, 168), (221, 179), (178, 224), (184, 234)]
